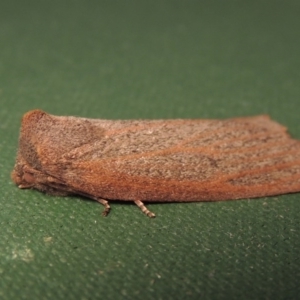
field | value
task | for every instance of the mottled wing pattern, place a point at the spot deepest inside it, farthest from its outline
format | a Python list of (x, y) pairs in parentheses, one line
[(159, 160), (192, 160), (240, 150)]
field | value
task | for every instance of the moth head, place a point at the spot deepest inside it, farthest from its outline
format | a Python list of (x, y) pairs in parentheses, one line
[(23, 174), (25, 178), (27, 157), (43, 141)]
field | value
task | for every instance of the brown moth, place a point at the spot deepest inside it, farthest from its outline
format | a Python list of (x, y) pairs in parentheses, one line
[(156, 160)]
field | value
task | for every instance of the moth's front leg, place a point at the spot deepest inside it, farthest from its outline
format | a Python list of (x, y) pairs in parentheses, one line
[(106, 206)]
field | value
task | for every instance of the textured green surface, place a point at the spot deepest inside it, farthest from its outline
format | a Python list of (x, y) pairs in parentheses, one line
[(147, 59)]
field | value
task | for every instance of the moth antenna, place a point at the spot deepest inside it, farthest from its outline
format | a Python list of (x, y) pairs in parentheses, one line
[(106, 206), (144, 209)]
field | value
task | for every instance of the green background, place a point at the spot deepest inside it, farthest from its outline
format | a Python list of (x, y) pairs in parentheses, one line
[(147, 59)]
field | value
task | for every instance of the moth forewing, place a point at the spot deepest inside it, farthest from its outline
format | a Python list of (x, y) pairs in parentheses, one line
[(156, 160)]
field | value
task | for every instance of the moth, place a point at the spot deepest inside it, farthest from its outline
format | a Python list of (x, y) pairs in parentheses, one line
[(177, 160)]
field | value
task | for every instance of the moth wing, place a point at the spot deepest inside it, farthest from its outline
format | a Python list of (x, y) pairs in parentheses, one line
[(188, 160)]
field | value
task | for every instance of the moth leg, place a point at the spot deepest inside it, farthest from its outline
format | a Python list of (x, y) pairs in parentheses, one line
[(106, 206), (144, 209)]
